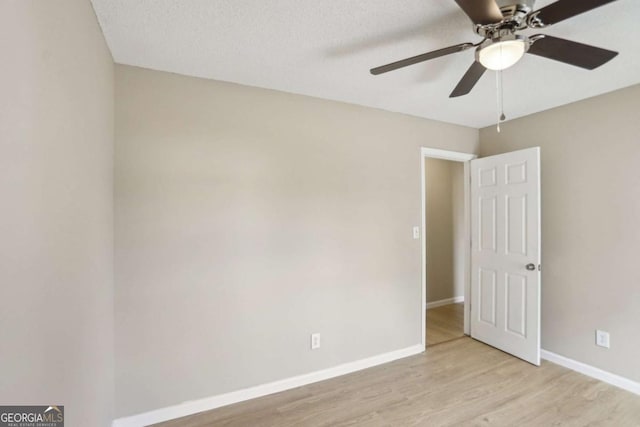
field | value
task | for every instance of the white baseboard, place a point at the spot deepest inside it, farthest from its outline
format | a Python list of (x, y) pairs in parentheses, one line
[(206, 404), (446, 301), (592, 371)]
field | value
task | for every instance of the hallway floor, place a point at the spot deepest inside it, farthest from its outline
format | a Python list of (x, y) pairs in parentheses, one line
[(445, 323)]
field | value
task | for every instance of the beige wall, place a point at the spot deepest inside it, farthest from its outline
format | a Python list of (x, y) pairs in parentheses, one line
[(444, 228), (56, 219), (247, 219), (590, 233)]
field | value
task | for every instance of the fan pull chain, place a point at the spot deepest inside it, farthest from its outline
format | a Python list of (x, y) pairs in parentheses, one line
[(499, 99)]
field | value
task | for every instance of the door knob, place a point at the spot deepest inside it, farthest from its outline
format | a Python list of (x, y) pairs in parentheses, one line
[(531, 267)]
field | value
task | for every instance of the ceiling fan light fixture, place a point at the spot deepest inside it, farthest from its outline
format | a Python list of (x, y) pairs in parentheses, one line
[(501, 53)]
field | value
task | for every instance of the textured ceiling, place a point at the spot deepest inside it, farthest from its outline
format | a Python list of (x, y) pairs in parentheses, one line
[(325, 49)]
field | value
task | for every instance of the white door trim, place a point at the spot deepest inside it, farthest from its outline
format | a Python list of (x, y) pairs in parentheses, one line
[(455, 156)]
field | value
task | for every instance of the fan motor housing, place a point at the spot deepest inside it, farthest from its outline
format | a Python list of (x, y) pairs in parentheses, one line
[(515, 18), (511, 8)]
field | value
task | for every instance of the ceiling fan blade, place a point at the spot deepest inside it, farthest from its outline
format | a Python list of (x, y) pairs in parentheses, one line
[(469, 80), (481, 12), (564, 9), (569, 52), (420, 58)]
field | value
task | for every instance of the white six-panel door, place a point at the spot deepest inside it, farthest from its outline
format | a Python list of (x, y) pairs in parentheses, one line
[(505, 252)]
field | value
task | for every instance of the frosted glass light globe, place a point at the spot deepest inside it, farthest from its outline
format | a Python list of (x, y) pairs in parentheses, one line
[(502, 54)]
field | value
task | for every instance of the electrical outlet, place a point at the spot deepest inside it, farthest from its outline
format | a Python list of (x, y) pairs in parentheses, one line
[(602, 338), (315, 341), (416, 232)]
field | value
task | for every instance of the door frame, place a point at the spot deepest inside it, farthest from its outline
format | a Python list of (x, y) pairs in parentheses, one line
[(465, 158)]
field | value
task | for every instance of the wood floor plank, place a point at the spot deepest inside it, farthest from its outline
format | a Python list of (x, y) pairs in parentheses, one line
[(457, 383)]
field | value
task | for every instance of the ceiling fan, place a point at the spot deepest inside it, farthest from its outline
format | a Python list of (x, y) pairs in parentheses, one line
[(498, 22)]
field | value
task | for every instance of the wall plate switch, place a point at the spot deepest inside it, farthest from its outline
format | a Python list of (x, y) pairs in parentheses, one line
[(602, 338), (315, 341), (416, 232)]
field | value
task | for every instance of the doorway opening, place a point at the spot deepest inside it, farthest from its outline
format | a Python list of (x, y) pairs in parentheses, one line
[(445, 247)]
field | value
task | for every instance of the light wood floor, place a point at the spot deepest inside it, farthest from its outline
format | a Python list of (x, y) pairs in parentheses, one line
[(445, 323), (458, 383)]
